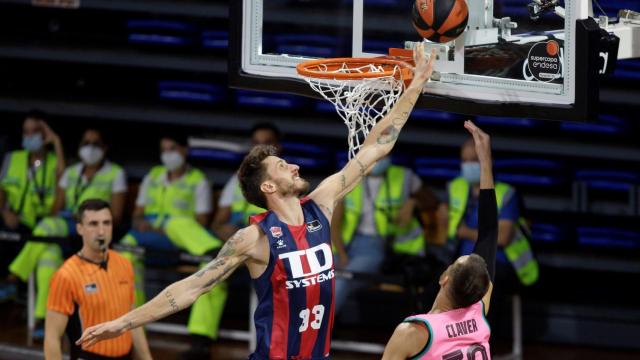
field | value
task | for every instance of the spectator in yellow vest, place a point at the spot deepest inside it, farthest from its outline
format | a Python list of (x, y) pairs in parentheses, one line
[(94, 177), (172, 210), (28, 180), (375, 215), (233, 210)]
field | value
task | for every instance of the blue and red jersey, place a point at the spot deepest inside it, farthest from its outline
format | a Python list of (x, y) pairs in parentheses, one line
[(294, 316)]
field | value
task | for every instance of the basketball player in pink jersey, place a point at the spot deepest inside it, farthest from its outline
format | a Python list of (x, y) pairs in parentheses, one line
[(286, 249), (456, 327)]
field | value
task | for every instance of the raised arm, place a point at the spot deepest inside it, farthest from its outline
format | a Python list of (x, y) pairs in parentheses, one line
[(50, 137), (181, 294), (487, 242), (379, 142)]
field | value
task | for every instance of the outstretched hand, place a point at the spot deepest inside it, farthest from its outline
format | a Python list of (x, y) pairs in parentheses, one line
[(104, 331), (49, 135), (481, 140), (424, 67)]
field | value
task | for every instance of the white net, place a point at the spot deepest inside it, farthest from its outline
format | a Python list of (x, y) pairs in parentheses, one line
[(361, 103)]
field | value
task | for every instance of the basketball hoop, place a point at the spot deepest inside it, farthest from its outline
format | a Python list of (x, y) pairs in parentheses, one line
[(363, 90)]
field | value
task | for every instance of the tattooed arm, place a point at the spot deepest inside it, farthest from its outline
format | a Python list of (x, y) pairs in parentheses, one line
[(379, 142), (181, 294)]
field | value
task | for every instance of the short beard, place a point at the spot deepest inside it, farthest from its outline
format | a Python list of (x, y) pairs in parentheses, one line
[(303, 189), (291, 190)]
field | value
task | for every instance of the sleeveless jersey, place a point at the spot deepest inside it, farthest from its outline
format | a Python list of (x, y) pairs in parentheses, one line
[(456, 334), (294, 316)]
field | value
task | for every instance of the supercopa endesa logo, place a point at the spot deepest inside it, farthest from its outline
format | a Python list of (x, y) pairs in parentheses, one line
[(544, 61)]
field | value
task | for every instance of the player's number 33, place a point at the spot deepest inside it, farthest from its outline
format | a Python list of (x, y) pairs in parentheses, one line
[(305, 314)]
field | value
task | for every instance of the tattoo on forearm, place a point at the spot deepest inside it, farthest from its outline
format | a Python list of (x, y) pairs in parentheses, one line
[(363, 169), (222, 275), (343, 181), (172, 301), (130, 325), (388, 135), (399, 121)]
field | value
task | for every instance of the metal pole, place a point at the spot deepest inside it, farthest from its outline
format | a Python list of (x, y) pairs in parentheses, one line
[(517, 326), (31, 320), (253, 304)]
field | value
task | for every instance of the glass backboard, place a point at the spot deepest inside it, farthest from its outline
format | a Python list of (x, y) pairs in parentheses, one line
[(529, 58)]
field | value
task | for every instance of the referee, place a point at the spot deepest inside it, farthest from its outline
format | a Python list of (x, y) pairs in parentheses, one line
[(93, 286)]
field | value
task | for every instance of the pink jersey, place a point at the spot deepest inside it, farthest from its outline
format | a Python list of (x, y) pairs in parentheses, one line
[(461, 334)]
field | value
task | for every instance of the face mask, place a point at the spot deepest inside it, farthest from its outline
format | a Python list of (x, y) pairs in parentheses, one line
[(172, 160), (32, 143), (471, 171), (381, 167), (90, 154)]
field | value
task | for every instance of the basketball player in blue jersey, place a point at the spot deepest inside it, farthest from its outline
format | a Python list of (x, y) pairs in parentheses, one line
[(286, 249)]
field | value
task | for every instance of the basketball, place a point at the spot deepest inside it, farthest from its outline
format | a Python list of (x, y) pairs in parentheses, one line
[(552, 48), (440, 20)]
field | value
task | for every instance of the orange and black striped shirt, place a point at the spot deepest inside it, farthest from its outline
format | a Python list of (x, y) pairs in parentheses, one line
[(90, 294)]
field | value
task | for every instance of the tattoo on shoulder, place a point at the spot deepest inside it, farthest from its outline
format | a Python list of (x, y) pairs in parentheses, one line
[(223, 259), (389, 135), (229, 249)]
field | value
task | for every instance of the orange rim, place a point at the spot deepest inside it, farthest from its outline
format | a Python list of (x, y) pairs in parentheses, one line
[(323, 68)]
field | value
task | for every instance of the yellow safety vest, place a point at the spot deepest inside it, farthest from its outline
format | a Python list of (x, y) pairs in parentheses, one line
[(98, 187), (518, 252), (242, 209), (177, 198), (30, 198), (394, 191)]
